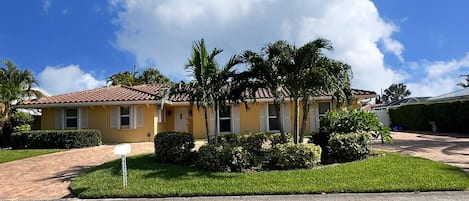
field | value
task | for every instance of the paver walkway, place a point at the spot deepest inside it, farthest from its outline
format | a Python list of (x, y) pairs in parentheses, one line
[(48, 176), (452, 149)]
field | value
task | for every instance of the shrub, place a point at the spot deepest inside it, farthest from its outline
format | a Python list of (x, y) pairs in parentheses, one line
[(61, 139), (350, 147), (410, 117), (251, 142), (224, 158), (22, 128), (174, 147), (292, 156), (276, 139), (21, 118)]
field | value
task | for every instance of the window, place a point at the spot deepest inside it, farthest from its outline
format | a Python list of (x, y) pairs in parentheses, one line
[(125, 117), (225, 119), (323, 108), (71, 118), (273, 118)]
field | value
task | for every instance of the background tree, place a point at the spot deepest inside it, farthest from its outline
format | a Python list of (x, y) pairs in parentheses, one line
[(148, 76), (466, 84), (152, 76), (15, 86), (395, 92)]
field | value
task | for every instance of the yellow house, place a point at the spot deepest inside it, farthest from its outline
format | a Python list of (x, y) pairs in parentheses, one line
[(130, 114)]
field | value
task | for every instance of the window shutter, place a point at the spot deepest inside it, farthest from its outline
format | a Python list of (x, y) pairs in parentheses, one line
[(314, 117), (161, 113), (132, 118), (263, 117), (212, 121), (115, 118), (139, 113), (235, 119), (59, 119), (286, 118), (83, 117)]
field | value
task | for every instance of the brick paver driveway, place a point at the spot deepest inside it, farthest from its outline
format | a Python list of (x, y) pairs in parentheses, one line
[(48, 176), (452, 149)]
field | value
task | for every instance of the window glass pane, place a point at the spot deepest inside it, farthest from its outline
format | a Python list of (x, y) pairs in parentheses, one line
[(71, 112), (125, 111), (125, 121), (272, 111), (273, 124), (324, 107), (225, 125), (225, 112), (71, 123)]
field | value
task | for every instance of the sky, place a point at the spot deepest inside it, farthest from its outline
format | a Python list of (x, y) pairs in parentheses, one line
[(77, 44)]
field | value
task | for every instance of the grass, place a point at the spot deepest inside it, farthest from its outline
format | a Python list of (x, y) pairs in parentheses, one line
[(11, 155), (390, 172)]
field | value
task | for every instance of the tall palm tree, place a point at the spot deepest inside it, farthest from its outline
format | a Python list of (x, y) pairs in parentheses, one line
[(15, 86), (466, 84), (266, 70), (126, 78), (395, 92), (152, 76)]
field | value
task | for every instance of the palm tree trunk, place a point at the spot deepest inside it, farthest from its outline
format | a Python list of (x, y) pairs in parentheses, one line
[(304, 119), (280, 124), (217, 123), (206, 125), (295, 121)]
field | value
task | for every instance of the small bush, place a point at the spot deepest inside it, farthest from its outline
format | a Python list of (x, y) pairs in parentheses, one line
[(350, 147), (175, 147), (276, 139), (22, 128), (293, 156), (21, 118), (61, 139), (224, 158), (251, 142)]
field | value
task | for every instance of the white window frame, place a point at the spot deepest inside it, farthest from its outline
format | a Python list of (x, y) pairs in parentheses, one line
[(125, 115), (272, 116), (71, 117), (319, 112), (225, 118)]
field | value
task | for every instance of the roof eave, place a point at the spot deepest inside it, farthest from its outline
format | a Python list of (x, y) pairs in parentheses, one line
[(84, 104)]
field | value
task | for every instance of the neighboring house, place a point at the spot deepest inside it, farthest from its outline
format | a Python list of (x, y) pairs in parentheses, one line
[(462, 94), (382, 110), (130, 114)]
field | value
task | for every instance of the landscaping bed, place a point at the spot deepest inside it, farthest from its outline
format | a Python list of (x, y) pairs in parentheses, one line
[(11, 155), (387, 172)]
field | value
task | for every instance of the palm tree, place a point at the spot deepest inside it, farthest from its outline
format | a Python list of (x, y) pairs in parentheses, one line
[(395, 92), (266, 70), (462, 84), (15, 86), (126, 78), (211, 85), (152, 76)]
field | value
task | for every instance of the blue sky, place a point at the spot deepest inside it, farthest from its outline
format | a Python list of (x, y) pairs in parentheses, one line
[(75, 45)]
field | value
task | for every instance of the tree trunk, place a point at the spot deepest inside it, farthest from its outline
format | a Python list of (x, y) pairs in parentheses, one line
[(206, 125), (295, 121), (304, 119), (279, 119), (217, 129)]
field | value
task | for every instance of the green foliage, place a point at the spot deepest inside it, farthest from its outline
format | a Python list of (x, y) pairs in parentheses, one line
[(395, 92), (276, 138), (252, 142), (224, 158), (448, 116), (354, 121), (7, 155), (292, 156), (22, 128), (174, 147), (350, 147), (61, 139), (21, 118)]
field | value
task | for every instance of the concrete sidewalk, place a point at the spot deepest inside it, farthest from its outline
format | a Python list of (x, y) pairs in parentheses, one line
[(424, 196)]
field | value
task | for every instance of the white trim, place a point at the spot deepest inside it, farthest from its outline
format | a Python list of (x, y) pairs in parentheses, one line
[(77, 117), (225, 118)]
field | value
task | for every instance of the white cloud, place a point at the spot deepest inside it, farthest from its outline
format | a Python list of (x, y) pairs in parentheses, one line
[(46, 5), (161, 32), (64, 79)]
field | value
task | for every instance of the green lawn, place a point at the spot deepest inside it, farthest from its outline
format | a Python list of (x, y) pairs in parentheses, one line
[(389, 172), (11, 155)]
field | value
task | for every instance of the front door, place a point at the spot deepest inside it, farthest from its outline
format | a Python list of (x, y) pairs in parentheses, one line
[(181, 122)]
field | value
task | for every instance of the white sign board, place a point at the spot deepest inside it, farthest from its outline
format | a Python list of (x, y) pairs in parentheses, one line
[(122, 149)]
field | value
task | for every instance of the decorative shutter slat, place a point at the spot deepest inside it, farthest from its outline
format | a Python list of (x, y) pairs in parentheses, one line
[(83, 115), (212, 121), (59, 119), (314, 117), (139, 113), (133, 119), (263, 117), (115, 112), (235, 119), (285, 113)]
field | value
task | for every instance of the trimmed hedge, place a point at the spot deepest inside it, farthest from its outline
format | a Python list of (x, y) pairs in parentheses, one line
[(292, 156), (350, 147), (224, 158), (174, 147), (448, 116), (58, 139)]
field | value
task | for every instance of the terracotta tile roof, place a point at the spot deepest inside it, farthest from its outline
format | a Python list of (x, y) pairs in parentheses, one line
[(146, 93)]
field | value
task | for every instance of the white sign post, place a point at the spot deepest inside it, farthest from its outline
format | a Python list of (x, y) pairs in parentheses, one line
[(122, 150)]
